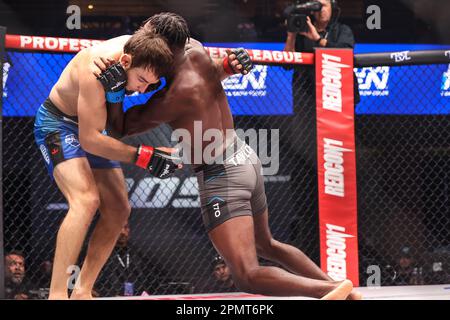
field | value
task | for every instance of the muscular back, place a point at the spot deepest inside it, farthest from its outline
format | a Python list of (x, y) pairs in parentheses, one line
[(194, 93)]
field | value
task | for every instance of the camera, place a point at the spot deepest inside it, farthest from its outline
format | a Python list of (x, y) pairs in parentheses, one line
[(297, 14)]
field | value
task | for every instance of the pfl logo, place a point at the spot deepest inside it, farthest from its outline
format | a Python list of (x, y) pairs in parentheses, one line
[(253, 84), (373, 81), (400, 56)]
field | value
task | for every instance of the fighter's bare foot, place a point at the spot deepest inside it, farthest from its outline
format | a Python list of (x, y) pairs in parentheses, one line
[(79, 295), (355, 295), (341, 292), (58, 297)]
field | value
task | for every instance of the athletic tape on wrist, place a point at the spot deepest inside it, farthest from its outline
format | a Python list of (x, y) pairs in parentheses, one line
[(227, 67), (115, 97)]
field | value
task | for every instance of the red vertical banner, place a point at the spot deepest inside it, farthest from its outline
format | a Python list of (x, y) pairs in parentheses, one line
[(336, 164)]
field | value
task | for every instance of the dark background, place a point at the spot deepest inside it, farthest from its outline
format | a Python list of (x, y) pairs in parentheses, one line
[(402, 166), (407, 21)]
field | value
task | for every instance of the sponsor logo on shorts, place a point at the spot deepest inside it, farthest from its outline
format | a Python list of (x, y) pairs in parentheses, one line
[(400, 56), (242, 155), (44, 153), (331, 81), (336, 252), (216, 202), (216, 208), (253, 84), (72, 141), (165, 171), (373, 81)]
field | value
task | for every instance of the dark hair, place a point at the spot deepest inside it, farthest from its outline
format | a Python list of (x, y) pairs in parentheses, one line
[(217, 260), (149, 51), (170, 26), (15, 253)]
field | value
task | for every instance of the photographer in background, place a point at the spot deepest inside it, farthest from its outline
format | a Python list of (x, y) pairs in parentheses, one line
[(321, 29), (309, 25)]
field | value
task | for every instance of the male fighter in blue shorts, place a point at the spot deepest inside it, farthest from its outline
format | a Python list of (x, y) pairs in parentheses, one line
[(84, 161)]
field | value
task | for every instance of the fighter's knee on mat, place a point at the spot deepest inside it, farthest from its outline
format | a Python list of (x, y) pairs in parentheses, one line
[(244, 280)]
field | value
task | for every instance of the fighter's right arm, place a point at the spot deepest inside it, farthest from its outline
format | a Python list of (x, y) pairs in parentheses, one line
[(115, 119), (92, 121)]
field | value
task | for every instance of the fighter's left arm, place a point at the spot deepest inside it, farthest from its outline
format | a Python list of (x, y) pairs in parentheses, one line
[(236, 61)]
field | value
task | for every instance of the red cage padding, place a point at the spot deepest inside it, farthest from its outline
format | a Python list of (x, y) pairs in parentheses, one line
[(74, 45)]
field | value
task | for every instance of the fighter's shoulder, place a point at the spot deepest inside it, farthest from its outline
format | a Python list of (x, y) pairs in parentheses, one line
[(197, 54), (188, 85), (82, 75), (105, 49)]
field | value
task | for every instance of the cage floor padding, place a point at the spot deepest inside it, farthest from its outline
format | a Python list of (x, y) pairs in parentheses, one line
[(434, 292)]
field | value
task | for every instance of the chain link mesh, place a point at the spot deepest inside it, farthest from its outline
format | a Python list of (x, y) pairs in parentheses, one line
[(403, 164), (403, 194)]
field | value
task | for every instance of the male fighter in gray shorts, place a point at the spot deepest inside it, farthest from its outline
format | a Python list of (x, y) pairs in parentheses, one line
[(232, 192)]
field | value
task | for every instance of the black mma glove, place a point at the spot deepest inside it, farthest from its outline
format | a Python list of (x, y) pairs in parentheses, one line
[(114, 81), (159, 163), (242, 57)]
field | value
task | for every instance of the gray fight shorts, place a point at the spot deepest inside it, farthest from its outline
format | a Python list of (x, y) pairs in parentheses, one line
[(234, 188)]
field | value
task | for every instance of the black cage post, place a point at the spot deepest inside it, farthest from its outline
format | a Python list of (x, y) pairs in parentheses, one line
[(2, 262)]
